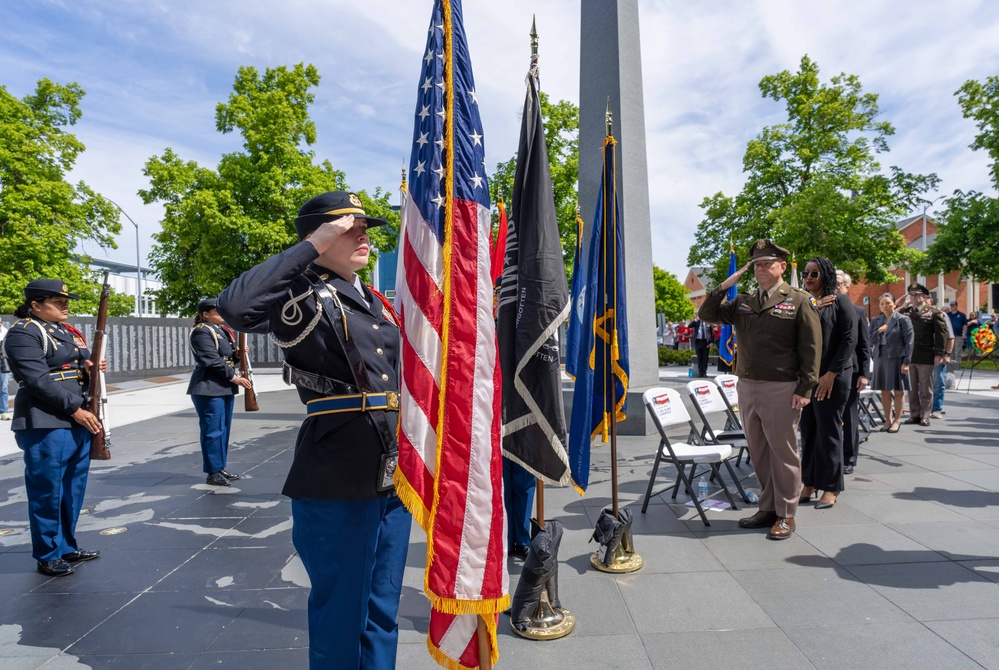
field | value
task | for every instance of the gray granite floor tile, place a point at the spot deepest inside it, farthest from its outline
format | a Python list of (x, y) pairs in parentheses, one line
[(840, 515), (893, 448), (976, 638), (689, 602), (966, 539), (907, 481), (816, 596), (675, 554), (864, 545), (940, 462), (137, 662), (896, 507), (983, 478), (265, 659), (863, 646), (988, 568), (709, 650), (933, 591), (753, 551)]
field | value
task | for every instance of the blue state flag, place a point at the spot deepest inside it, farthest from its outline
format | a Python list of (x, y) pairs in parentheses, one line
[(575, 304), (601, 363), (726, 345)]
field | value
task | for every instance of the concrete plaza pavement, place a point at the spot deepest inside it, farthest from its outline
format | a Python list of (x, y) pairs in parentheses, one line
[(903, 571)]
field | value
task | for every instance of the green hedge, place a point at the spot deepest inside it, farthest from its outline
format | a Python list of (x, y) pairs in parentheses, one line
[(671, 357)]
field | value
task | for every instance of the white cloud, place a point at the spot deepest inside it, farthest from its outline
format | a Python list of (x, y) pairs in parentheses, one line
[(154, 72)]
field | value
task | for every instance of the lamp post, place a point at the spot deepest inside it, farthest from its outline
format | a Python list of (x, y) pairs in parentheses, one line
[(926, 206), (138, 267)]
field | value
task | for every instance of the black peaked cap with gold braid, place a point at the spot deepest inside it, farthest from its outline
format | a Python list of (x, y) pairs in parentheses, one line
[(329, 206)]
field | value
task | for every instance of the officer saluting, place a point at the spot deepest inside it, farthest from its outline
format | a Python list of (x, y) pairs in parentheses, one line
[(50, 360), (341, 348), (780, 343)]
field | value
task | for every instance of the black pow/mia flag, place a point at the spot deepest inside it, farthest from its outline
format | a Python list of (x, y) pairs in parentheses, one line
[(533, 302)]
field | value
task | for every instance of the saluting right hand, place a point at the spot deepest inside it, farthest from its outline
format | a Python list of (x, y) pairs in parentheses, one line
[(325, 234), (88, 420), (734, 277)]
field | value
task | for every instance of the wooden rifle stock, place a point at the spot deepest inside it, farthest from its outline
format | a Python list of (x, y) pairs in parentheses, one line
[(246, 371), (100, 444)]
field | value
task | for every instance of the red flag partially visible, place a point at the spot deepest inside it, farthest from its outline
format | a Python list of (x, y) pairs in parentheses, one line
[(499, 243)]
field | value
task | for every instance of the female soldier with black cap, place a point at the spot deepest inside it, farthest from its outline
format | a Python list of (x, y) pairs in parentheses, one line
[(341, 347), (50, 361), (214, 385)]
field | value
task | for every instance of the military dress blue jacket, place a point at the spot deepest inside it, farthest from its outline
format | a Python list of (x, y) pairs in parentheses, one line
[(337, 456), (35, 349), (215, 361)]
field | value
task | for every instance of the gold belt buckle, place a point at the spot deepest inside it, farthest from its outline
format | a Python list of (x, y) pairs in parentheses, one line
[(392, 400)]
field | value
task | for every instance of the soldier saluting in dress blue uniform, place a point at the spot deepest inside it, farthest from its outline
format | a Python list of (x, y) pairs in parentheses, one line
[(341, 346), (50, 361)]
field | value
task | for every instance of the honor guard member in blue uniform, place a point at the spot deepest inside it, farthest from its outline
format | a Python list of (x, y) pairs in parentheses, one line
[(214, 385), (49, 360), (341, 348)]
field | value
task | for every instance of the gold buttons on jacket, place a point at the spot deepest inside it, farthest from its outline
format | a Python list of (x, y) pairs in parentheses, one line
[(375, 326), (384, 378), (379, 351)]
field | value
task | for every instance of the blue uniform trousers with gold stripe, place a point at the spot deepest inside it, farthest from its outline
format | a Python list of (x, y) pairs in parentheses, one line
[(56, 465), (355, 554), (215, 418), (518, 499)]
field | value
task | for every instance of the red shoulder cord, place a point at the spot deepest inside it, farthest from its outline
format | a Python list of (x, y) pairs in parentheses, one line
[(74, 331), (388, 306)]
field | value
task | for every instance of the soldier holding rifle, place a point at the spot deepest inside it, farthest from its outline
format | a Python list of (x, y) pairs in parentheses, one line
[(49, 360), (213, 387), (780, 342)]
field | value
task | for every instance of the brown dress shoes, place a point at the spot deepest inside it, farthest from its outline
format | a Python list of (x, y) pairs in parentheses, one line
[(782, 529), (759, 520)]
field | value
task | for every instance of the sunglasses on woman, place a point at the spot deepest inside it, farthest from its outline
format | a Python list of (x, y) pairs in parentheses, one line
[(810, 275)]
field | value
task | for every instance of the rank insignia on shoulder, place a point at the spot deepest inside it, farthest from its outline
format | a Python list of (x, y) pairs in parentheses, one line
[(811, 301)]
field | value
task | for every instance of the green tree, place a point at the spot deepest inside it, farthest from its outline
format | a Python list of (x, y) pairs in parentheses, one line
[(42, 216), (561, 121), (671, 296), (968, 232), (219, 223), (813, 183)]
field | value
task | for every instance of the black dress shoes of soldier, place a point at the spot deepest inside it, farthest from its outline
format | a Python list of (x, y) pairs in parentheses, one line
[(217, 479), (81, 555), (56, 568), (231, 477)]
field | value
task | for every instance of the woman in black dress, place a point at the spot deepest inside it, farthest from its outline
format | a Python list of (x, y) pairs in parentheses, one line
[(892, 337), (822, 419)]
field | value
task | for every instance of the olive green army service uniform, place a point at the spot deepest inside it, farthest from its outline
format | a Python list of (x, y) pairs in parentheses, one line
[(779, 347), (929, 340)]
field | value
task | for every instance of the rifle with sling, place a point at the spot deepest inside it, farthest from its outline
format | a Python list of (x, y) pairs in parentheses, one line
[(100, 444), (246, 371)]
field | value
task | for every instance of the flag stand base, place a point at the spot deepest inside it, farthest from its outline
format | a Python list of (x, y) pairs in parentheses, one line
[(547, 623), (623, 558)]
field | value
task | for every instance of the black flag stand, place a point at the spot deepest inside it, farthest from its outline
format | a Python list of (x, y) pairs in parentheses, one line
[(613, 530), (536, 612)]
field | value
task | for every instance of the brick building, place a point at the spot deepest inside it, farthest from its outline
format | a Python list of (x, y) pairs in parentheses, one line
[(696, 284)]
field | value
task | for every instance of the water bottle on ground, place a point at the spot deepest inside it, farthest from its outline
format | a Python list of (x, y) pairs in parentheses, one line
[(702, 489), (690, 371)]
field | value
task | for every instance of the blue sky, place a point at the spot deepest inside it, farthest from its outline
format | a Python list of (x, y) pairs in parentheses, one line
[(155, 70)]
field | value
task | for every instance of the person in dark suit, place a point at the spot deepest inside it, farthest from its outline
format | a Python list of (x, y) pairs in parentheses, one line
[(861, 365), (214, 385), (341, 344), (703, 336), (891, 333), (50, 362), (822, 420)]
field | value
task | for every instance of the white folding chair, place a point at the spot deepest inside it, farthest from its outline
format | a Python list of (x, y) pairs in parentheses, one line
[(728, 385), (871, 414), (666, 407), (707, 400)]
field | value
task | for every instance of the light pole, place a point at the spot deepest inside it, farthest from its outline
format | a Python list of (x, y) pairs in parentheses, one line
[(926, 206), (138, 267)]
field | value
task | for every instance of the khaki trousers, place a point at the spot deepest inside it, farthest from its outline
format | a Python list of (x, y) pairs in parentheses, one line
[(920, 390), (771, 428)]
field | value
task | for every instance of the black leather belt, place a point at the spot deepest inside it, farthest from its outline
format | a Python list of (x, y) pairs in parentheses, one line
[(325, 386)]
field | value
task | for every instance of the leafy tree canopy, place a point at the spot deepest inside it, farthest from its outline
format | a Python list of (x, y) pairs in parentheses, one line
[(219, 223), (42, 216), (813, 183), (968, 232), (561, 121), (671, 296)]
